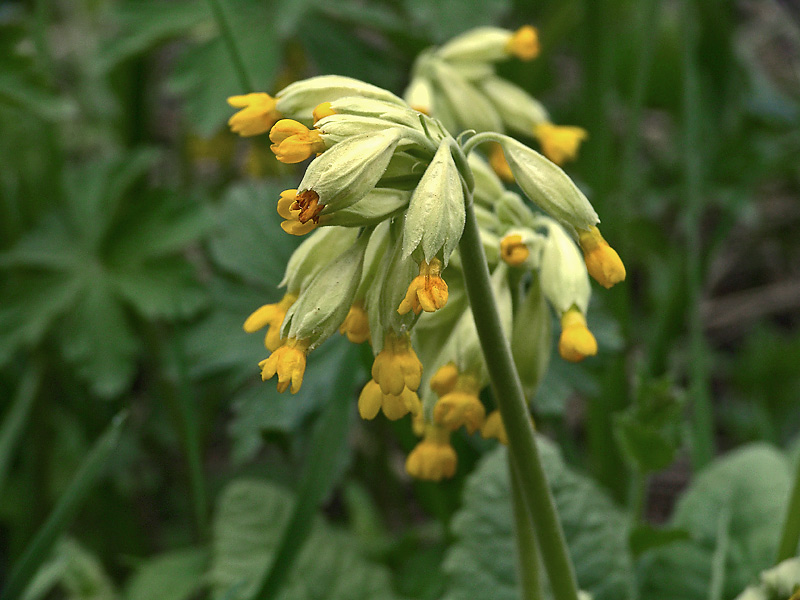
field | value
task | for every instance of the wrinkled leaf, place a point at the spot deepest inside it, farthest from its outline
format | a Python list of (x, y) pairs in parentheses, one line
[(174, 575)]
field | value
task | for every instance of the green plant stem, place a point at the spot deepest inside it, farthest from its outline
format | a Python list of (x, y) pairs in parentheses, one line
[(513, 409), (702, 423), (527, 551), (224, 25), (16, 418), (790, 534), (68, 504)]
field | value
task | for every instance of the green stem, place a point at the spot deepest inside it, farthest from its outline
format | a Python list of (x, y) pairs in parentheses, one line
[(68, 504), (702, 425), (790, 535), (16, 418), (525, 535), (513, 409), (481, 138), (224, 25)]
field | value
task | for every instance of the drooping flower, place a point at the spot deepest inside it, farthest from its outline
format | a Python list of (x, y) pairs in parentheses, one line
[(433, 459), (397, 366), (271, 316), (288, 362), (257, 116), (301, 211), (560, 143), (513, 251), (493, 427), (461, 405), (293, 142), (576, 341), (524, 44), (602, 261), (395, 406), (356, 324), (427, 291)]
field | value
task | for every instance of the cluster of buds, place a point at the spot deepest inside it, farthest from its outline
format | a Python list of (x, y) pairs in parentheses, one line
[(457, 83), (382, 205)]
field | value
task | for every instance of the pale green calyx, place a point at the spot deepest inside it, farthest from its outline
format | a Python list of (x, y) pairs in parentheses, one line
[(549, 187), (531, 341), (314, 253), (488, 186), (562, 272), (482, 44), (388, 112), (420, 95), (345, 173), (435, 218), (325, 301), (520, 111), (467, 103), (298, 100), (378, 205)]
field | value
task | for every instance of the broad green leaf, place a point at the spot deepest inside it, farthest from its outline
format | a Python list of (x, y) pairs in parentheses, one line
[(176, 575), (249, 521), (482, 563), (749, 488), (251, 242)]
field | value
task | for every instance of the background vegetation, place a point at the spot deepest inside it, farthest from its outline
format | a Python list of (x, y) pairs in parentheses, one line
[(140, 457)]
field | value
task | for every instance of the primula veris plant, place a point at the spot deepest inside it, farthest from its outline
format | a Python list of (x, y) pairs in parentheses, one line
[(383, 204)]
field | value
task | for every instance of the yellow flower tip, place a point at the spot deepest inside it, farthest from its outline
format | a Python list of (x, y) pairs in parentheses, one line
[(513, 251), (433, 459), (427, 291), (459, 408), (322, 110), (418, 424), (425, 110), (293, 142), (271, 315), (444, 380), (493, 427), (560, 143), (499, 164), (524, 43), (289, 363), (356, 325), (397, 366), (576, 342), (301, 211), (370, 400), (257, 116), (602, 261)]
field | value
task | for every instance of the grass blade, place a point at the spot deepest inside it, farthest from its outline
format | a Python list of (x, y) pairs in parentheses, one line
[(14, 421)]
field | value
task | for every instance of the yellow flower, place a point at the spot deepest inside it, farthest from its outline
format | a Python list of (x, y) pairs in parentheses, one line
[(461, 406), (356, 324), (444, 380), (289, 362), (576, 342), (372, 399), (524, 44), (499, 164), (322, 110), (257, 116), (559, 142), (513, 251), (397, 366), (493, 427), (433, 458), (602, 261), (293, 142), (270, 315), (427, 291), (301, 211)]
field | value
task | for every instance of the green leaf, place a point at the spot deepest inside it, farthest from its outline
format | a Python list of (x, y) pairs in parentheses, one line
[(98, 340), (481, 564), (176, 575), (16, 91), (250, 242), (750, 486), (75, 570), (250, 518)]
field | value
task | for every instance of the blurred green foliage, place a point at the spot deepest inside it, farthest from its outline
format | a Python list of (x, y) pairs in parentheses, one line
[(137, 234)]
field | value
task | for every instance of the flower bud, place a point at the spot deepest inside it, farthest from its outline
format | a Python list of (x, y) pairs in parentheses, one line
[(549, 187), (519, 111), (490, 44), (576, 341), (349, 170), (420, 95), (257, 116), (433, 459), (531, 340), (435, 217), (470, 107), (602, 261), (299, 99), (293, 142), (563, 275)]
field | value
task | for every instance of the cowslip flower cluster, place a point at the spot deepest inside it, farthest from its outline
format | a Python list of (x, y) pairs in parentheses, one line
[(382, 208), (457, 83)]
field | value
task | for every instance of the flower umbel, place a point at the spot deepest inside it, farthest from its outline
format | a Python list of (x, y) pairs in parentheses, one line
[(293, 142), (576, 342), (257, 116), (602, 261), (433, 459), (288, 362), (270, 315), (560, 143), (427, 291)]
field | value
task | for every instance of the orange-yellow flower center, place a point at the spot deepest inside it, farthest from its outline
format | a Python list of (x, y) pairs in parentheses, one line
[(524, 44), (301, 211), (427, 291), (602, 261), (288, 362), (513, 251), (433, 459), (576, 341), (293, 142), (322, 110), (271, 315), (257, 116), (559, 143)]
